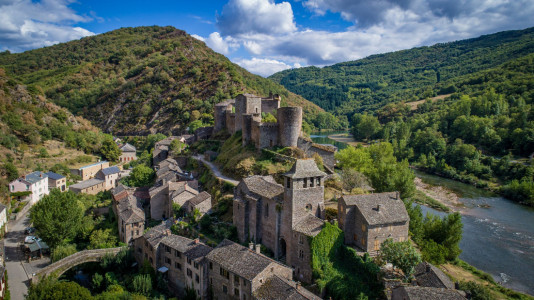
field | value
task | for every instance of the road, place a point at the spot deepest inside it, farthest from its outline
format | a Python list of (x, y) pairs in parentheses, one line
[(19, 271), (216, 170)]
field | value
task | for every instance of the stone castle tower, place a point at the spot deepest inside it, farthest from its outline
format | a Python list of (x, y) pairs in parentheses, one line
[(244, 113)]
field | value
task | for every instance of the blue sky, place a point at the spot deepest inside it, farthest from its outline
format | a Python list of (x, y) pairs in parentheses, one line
[(266, 36)]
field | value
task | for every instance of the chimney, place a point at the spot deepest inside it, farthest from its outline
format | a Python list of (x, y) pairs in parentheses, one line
[(378, 207), (428, 268), (258, 248), (251, 246), (297, 285)]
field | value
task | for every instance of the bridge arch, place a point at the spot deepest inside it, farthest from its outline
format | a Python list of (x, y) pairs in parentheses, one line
[(61, 266)]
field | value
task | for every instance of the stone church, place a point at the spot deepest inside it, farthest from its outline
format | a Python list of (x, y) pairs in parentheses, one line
[(282, 217)]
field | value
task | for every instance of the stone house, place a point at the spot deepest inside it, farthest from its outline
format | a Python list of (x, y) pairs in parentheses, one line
[(128, 153), (184, 262), (110, 176), (159, 199), (179, 193), (130, 219), (236, 272), (281, 217), (56, 181), (35, 182), (424, 293), (429, 275), (89, 171), (146, 246), (277, 287), (202, 202), (368, 220), (90, 186)]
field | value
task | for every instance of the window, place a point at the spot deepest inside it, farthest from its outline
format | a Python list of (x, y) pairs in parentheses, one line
[(301, 239), (224, 273), (305, 182), (197, 278), (311, 182), (308, 207), (196, 265), (177, 265), (131, 233), (288, 182), (225, 289), (364, 227), (377, 245), (211, 265), (355, 237), (137, 232), (189, 273), (236, 292), (167, 260), (139, 250), (177, 254), (236, 279), (244, 282), (318, 181), (301, 254), (189, 260), (266, 212)]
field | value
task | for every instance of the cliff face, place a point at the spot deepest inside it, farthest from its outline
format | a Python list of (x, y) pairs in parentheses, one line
[(140, 80)]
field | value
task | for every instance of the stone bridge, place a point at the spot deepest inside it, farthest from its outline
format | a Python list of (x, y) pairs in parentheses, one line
[(61, 266)]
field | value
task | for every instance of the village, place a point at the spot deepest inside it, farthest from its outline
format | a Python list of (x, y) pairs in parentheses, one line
[(275, 219)]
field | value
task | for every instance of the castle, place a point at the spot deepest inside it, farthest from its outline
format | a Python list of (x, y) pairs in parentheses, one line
[(245, 113)]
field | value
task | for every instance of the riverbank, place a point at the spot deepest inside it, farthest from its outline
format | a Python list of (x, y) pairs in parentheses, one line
[(346, 138), (436, 197)]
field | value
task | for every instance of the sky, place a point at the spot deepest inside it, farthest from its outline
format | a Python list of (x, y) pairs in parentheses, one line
[(267, 36)]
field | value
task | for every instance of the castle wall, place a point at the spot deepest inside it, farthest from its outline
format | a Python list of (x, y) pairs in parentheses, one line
[(230, 122), (247, 129), (265, 135), (246, 104), (290, 124), (219, 114), (270, 106)]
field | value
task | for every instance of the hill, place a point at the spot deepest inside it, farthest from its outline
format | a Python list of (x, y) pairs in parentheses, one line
[(134, 81), (370, 83), (36, 134)]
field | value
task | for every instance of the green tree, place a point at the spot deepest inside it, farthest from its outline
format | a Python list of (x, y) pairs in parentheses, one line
[(62, 251), (358, 159), (10, 171), (141, 175), (402, 255), (102, 238), (352, 179), (57, 217), (110, 150), (142, 284), (365, 126), (52, 289)]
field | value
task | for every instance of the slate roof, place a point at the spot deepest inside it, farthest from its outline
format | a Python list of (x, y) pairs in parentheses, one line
[(118, 189), (167, 161), (127, 148), (391, 210), (428, 293), (54, 176), (86, 183), (304, 168), (130, 211), (111, 170), (309, 225), (429, 275), (95, 164), (239, 260), (176, 188), (276, 288), (35, 177), (190, 248), (263, 185), (201, 197), (168, 168), (157, 233)]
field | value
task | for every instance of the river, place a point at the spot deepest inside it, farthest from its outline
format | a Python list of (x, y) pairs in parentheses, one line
[(322, 138), (498, 239)]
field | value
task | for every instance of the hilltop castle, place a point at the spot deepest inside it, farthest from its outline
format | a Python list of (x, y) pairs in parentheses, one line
[(245, 113)]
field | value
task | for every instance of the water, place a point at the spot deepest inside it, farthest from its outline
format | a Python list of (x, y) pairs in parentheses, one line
[(322, 138), (498, 240)]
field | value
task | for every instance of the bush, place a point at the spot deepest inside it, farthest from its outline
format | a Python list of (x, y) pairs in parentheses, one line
[(62, 251), (476, 291)]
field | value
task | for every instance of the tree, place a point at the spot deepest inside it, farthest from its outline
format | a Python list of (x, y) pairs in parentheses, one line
[(52, 289), (110, 150), (365, 126), (177, 146), (57, 217), (62, 251), (10, 171), (352, 179), (358, 159), (402, 255), (141, 175), (102, 239), (142, 284)]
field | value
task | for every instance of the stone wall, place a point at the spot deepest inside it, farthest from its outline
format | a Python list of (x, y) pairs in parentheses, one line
[(326, 152), (224, 287), (289, 125), (230, 122), (219, 115), (270, 106), (301, 264), (265, 135), (246, 104)]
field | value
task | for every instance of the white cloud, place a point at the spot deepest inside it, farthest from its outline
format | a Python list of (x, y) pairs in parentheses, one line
[(255, 16), (25, 24), (263, 67), (220, 44)]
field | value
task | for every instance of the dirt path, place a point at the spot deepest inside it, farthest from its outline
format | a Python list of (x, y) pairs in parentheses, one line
[(216, 170), (440, 194)]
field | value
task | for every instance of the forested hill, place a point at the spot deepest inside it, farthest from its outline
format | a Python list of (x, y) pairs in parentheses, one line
[(140, 80), (370, 83)]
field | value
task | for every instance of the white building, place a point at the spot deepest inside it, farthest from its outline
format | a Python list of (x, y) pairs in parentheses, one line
[(36, 183)]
